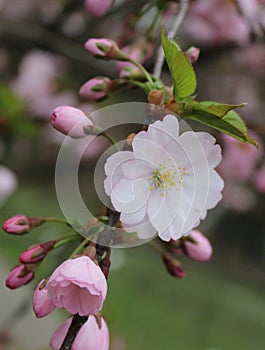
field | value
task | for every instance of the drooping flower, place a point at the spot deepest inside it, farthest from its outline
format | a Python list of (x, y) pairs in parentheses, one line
[(167, 183), (42, 304), (94, 334), (78, 285)]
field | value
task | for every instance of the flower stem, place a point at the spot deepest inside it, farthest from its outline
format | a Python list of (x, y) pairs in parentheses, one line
[(59, 220), (157, 247), (110, 139), (146, 74)]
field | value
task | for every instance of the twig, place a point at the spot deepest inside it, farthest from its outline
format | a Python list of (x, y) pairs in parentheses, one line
[(183, 9)]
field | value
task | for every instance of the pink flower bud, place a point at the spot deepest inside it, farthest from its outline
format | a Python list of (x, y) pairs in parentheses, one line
[(21, 224), (192, 54), (42, 304), (196, 246), (173, 266), (98, 7), (79, 286), (36, 253), (104, 48), (95, 89), (70, 121), (94, 334), (19, 276)]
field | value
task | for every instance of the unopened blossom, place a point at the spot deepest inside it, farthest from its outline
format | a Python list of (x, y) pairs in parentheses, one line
[(103, 48), (78, 285), (36, 253), (95, 89), (98, 7), (196, 246), (93, 335), (21, 224), (42, 304), (192, 54), (173, 266), (70, 121), (19, 276), (167, 183)]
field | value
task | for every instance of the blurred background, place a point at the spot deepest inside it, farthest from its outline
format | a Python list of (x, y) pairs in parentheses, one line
[(220, 304)]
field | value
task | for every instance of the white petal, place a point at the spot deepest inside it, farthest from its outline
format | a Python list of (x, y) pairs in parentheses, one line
[(133, 218), (113, 169), (137, 168), (144, 229), (128, 196)]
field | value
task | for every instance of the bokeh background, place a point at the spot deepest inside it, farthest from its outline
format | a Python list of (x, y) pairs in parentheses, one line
[(220, 304)]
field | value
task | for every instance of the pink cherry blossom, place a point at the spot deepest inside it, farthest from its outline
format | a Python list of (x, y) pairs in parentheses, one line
[(92, 335), (42, 304), (79, 286), (167, 183), (98, 7), (18, 277), (70, 121)]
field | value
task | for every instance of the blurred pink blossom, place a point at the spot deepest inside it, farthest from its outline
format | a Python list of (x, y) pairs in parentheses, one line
[(8, 183), (239, 159), (93, 335), (216, 22), (259, 179), (98, 7)]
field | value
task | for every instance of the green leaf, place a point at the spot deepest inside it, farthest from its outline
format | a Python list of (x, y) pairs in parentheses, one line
[(231, 124), (215, 108), (182, 72)]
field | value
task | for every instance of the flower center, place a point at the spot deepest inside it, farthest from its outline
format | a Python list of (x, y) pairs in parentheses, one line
[(167, 175)]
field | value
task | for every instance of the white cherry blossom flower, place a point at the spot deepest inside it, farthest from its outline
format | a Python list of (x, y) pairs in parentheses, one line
[(167, 183)]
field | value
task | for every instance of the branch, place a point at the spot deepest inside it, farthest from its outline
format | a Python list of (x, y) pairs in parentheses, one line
[(103, 243), (183, 9)]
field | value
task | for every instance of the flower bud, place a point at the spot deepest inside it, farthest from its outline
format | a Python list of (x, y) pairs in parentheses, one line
[(70, 121), (156, 97), (98, 7), (104, 48), (21, 224), (36, 253), (192, 54), (131, 72), (196, 246), (94, 334), (19, 276), (42, 304), (173, 266), (95, 89)]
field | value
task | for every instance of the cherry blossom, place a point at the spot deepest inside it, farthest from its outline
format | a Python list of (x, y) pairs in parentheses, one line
[(167, 183)]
